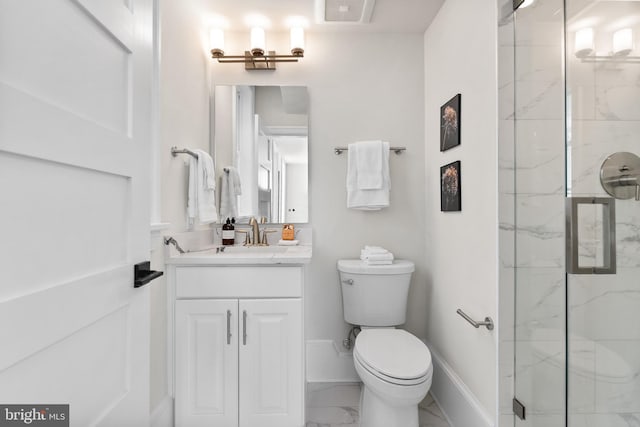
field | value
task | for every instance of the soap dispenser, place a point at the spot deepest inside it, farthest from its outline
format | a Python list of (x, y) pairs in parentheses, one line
[(228, 232)]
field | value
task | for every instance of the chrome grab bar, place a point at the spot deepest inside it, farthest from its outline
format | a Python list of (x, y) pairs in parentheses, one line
[(488, 322)]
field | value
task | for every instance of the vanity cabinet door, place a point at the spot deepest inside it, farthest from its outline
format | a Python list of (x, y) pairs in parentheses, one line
[(206, 363), (271, 363)]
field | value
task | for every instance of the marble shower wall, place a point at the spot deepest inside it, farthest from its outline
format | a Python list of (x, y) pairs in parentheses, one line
[(603, 105), (604, 310), (603, 110)]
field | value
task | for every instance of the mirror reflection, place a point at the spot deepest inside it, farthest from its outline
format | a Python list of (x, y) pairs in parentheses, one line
[(261, 151)]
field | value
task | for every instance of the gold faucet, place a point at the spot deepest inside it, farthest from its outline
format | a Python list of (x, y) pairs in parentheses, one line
[(255, 238)]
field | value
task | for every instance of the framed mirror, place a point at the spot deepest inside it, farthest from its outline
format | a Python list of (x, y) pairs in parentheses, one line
[(261, 138)]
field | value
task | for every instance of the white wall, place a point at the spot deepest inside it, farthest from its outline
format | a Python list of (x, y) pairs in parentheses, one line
[(461, 255), (184, 121), (354, 96)]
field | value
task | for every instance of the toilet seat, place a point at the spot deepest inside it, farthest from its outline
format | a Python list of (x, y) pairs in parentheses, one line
[(393, 355)]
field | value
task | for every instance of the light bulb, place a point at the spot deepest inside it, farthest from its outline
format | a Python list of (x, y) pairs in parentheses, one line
[(623, 42), (297, 41), (258, 42), (583, 42), (216, 41)]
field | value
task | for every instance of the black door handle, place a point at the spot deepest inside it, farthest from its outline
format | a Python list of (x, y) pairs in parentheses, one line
[(142, 274)]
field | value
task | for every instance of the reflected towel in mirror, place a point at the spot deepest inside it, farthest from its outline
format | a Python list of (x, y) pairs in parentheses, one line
[(231, 189)]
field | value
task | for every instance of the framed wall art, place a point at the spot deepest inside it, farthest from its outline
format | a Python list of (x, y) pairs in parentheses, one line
[(450, 187), (450, 123)]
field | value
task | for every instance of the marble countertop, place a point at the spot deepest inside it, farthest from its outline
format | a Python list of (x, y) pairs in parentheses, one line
[(247, 255)]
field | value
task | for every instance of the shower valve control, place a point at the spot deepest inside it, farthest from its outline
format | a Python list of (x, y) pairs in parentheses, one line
[(620, 176)]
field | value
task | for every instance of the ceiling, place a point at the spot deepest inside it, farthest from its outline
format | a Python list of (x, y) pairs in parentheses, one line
[(391, 16)]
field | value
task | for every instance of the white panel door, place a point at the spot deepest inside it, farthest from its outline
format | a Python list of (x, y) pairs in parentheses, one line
[(206, 363), (74, 217), (271, 370)]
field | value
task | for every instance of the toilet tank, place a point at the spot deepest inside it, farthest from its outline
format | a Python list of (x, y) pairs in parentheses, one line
[(375, 295)]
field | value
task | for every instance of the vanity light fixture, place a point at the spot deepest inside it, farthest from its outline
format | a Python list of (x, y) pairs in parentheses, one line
[(623, 42), (584, 42), (258, 58), (622, 46)]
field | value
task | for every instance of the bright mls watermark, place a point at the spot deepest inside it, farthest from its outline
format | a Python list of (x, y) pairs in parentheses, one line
[(34, 415)]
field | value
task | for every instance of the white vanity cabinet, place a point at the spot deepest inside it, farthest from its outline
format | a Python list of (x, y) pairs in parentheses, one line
[(239, 346)]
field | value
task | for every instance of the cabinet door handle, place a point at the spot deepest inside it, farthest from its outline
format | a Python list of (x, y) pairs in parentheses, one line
[(228, 326), (244, 327)]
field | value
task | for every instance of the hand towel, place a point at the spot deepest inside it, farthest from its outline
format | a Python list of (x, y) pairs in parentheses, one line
[(375, 249), (368, 165), (367, 199), (207, 169), (373, 255), (381, 257), (231, 189), (201, 200), (384, 262)]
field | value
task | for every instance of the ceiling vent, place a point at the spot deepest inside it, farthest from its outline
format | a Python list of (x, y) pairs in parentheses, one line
[(344, 11)]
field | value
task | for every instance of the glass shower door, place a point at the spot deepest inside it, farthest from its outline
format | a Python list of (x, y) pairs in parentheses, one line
[(576, 264), (539, 157), (603, 121)]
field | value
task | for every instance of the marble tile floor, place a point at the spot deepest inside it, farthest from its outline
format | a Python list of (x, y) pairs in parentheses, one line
[(336, 405)]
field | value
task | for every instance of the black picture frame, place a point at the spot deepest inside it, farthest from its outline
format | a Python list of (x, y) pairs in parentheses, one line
[(451, 187), (450, 114)]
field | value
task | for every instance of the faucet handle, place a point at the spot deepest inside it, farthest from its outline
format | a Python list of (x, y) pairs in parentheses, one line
[(246, 233), (264, 236)]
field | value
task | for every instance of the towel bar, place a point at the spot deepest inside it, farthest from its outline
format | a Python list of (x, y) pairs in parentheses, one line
[(175, 151), (397, 150)]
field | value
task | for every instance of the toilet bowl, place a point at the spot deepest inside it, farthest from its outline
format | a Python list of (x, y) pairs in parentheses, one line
[(396, 370), (394, 366)]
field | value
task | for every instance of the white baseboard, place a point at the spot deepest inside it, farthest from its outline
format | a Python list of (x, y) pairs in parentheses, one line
[(458, 404), (162, 415), (327, 363)]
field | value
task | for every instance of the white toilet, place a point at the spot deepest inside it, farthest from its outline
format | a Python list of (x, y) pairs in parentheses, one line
[(394, 366)]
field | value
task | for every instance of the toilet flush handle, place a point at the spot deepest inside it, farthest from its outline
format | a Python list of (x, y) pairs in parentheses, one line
[(348, 281)]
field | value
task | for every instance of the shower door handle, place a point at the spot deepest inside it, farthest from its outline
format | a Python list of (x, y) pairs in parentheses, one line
[(599, 248)]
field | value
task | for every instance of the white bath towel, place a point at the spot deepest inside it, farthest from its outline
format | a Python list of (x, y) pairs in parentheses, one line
[(231, 189), (201, 201), (363, 198), (368, 165), (375, 255), (374, 250)]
